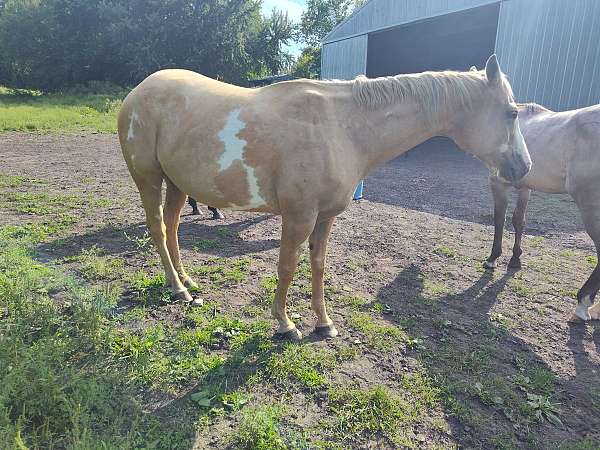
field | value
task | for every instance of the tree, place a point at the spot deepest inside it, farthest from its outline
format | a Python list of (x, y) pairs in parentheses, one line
[(320, 17), (266, 45), (54, 44)]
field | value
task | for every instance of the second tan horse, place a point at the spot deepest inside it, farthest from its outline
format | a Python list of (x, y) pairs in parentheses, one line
[(565, 149), (299, 149)]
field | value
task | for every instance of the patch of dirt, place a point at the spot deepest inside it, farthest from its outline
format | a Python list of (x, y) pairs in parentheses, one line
[(415, 244)]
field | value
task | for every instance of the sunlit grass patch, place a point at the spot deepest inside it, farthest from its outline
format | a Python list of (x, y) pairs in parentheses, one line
[(94, 266), (383, 337), (359, 415), (262, 428), (222, 271), (301, 364), (44, 203), (57, 381), (445, 251), (62, 112), (149, 288)]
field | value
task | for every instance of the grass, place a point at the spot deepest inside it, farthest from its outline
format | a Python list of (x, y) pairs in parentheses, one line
[(383, 337), (94, 266), (68, 112), (57, 383), (105, 360), (359, 414), (261, 428), (302, 365)]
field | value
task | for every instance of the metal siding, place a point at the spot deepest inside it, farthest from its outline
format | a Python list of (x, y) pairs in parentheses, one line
[(550, 51), (344, 60), (380, 14)]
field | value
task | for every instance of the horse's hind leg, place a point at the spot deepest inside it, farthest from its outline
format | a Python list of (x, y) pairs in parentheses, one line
[(590, 214), (518, 221), (150, 192), (499, 192), (174, 203)]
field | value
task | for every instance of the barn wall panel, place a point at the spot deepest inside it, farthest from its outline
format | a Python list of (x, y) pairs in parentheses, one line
[(550, 51), (380, 14), (344, 60)]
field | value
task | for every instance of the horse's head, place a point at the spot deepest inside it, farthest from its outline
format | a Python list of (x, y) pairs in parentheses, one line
[(489, 129)]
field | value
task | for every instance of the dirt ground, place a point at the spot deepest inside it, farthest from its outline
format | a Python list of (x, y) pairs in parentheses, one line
[(415, 248)]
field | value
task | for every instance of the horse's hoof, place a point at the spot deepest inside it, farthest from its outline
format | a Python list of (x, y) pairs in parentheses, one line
[(327, 331), (514, 264), (182, 296), (292, 335), (190, 284), (491, 265), (575, 319), (218, 216), (196, 302), (196, 213)]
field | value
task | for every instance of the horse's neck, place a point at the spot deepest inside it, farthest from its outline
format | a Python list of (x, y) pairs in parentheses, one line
[(391, 131)]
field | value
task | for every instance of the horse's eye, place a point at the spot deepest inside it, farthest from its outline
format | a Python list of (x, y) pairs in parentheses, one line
[(514, 114)]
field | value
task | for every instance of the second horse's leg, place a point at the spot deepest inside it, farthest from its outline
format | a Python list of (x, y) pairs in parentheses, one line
[(194, 204), (518, 221), (499, 192)]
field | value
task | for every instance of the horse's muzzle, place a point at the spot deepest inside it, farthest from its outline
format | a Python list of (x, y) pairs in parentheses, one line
[(514, 169)]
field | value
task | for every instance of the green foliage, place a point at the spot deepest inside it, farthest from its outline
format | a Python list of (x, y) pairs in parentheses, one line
[(383, 337), (259, 429), (95, 266), (359, 414), (308, 64), (56, 388), (53, 44), (321, 16), (303, 364)]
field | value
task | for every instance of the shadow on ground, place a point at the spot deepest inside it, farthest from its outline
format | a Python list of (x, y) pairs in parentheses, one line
[(476, 362)]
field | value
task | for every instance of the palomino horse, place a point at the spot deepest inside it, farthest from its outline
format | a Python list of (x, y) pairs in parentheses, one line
[(565, 148), (298, 149)]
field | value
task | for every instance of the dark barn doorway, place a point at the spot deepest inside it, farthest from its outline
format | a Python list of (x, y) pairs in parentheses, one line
[(453, 41)]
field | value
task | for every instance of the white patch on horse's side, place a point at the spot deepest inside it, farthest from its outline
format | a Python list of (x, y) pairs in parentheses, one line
[(134, 117), (234, 151)]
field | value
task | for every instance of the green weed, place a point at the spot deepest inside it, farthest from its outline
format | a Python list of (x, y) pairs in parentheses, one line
[(359, 414), (95, 266), (384, 338), (302, 364), (259, 429)]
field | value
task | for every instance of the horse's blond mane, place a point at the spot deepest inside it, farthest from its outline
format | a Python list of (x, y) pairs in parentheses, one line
[(431, 90)]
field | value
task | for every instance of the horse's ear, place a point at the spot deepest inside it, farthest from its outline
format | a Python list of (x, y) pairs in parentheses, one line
[(492, 70), (473, 69)]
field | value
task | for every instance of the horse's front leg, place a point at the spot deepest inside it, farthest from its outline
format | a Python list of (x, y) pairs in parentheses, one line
[(518, 221), (295, 230), (318, 252), (500, 195)]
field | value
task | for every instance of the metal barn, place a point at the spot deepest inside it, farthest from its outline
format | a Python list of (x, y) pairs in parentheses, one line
[(550, 49)]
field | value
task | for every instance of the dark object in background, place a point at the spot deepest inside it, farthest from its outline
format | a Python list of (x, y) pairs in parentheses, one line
[(216, 214)]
